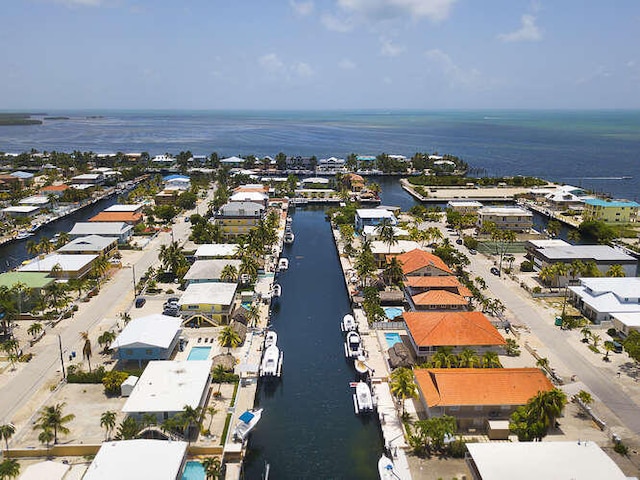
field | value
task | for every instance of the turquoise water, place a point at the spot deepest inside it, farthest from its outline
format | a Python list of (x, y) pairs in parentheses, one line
[(246, 305), (199, 353), (193, 471), (393, 312), (392, 339)]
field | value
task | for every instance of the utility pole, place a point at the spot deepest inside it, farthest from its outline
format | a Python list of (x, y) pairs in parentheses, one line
[(133, 271), (64, 375)]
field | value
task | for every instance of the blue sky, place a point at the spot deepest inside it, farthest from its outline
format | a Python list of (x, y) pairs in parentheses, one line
[(319, 54)]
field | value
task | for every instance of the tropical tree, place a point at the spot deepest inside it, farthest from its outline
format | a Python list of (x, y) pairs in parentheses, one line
[(616, 271), (249, 266), (533, 420), (106, 339), (468, 358), (63, 239), (608, 347), (211, 412), (229, 273), (253, 314), (586, 334), (218, 373), (574, 236), (435, 431), (444, 358), (543, 363), (9, 468), (6, 432), (229, 338), (513, 349), (212, 468), (99, 268), (52, 418), (45, 246), (34, 329), (387, 233), (128, 429), (393, 272), (56, 296), (32, 247), (595, 339), (553, 228), (172, 258), (584, 397), (365, 264), (490, 359), (190, 417), (402, 385), (108, 422), (86, 347)]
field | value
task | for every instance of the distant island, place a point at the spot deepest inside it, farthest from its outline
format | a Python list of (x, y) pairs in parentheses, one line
[(18, 119), (56, 118)]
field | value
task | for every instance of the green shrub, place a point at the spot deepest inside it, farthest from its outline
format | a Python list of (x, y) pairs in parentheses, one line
[(526, 266), (113, 380), (470, 242), (457, 448), (612, 332), (536, 289), (76, 375), (621, 448)]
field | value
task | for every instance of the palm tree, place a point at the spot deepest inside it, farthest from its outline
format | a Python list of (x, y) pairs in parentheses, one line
[(546, 275), (212, 468), (147, 420), (52, 419), (172, 258), (616, 271), (393, 272), (211, 411), (468, 358), (546, 406), (608, 347), (219, 373), (574, 236), (229, 273), (86, 347), (6, 432), (595, 339), (387, 233), (56, 296), (22, 292), (229, 338), (108, 422), (9, 468), (190, 416), (63, 239), (543, 363), (584, 396), (586, 333), (249, 266), (402, 384), (34, 329), (444, 358), (46, 436), (45, 246), (33, 248), (491, 359), (106, 339), (99, 268), (253, 314)]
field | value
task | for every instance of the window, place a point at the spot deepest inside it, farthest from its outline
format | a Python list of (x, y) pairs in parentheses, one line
[(148, 351)]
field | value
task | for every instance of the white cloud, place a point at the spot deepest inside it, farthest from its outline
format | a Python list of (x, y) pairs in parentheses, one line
[(600, 72), (335, 24), (436, 10), (346, 64), (388, 49), (302, 8), (302, 69), (455, 75), (528, 31), (274, 66), (271, 62)]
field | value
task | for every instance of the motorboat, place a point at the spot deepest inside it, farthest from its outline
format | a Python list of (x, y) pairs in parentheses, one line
[(386, 469), (283, 264), (276, 290), (353, 345), (289, 237), (246, 422), (271, 365), (361, 367), (22, 235), (362, 399), (349, 323), (289, 221), (271, 338)]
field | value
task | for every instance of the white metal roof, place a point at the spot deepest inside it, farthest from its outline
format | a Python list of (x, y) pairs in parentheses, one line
[(599, 253), (550, 242), (47, 469), (124, 208), (506, 211), (537, 460), (150, 331), (216, 250), (374, 213), (402, 246), (100, 228), (630, 319), (91, 243), (68, 263), (464, 203), (21, 209), (248, 197), (623, 287), (135, 459), (209, 269), (209, 294), (167, 386), (35, 200)]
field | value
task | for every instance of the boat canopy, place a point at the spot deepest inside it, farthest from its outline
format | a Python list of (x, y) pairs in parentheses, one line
[(246, 417)]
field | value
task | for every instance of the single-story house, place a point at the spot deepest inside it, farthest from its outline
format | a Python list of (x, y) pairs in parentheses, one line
[(40, 201), (420, 263), (626, 322), (166, 197), (464, 206), (128, 208), (566, 196), (91, 244), (166, 386), (153, 337), (88, 179), (232, 161), (119, 230), (204, 271), (177, 182), (27, 178), (212, 302), (130, 218), (250, 196), (429, 331), (438, 300), (473, 396), (35, 283), (209, 251), (21, 211), (599, 298), (373, 217), (383, 252), (57, 190), (70, 266)]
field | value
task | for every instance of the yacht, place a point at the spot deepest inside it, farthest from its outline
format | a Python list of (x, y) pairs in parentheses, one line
[(276, 290), (283, 264), (23, 234), (353, 345), (349, 323), (386, 469), (271, 338), (362, 399), (289, 237), (271, 365), (246, 422), (361, 367)]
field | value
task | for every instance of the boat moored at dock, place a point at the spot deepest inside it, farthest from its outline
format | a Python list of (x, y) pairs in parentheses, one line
[(246, 422), (289, 237), (271, 366), (363, 402), (353, 345), (283, 264), (386, 469), (271, 338), (348, 323)]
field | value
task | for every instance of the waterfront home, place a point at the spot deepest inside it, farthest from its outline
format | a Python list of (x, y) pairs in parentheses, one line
[(257, 187), (95, 244), (626, 322), (118, 230), (603, 256), (583, 460), (464, 207), (93, 179), (429, 331), (237, 218), (21, 211), (353, 182), (129, 218), (331, 164), (57, 190), (383, 252), (60, 265), (373, 233), (125, 208), (610, 211), (166, 197), (600, 298), (420, 263), (314, 181), (475, 396), (206, 271), (9, 183), (27, 178), (233, 162), (250, 196), (176, 182), (141, 458), (167, 386), (39, 201), (210, 302), (153, 337), (34, 284), (438, 300), (209, 251), (373, 217), (415, 285), (566, 197), (162, 161), (506, 218)]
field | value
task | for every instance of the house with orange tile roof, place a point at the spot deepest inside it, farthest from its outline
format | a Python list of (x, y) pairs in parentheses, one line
[(429, 331), (474, 396), (416, 285), (438, 300), (57, 190), (130, 218), (420, 263)]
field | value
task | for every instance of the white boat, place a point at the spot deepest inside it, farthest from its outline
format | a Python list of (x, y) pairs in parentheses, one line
[(271, 365), (276, 290), (362, 399), (361, 367), (23, 235), (289, 221), (246, 422), (349, 323), (353, 345), (271, 338), (386, 469), (283, 264), (289, 237)]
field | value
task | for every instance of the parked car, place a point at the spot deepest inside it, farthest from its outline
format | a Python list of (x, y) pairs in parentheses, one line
[(495, 270), (473, 251), (140, 301), (459, 241), (172, 312), (172, 300)]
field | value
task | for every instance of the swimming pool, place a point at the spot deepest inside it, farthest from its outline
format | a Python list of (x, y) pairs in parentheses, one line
[(393, 312), (199, 353), (193, 471), (392, 339)]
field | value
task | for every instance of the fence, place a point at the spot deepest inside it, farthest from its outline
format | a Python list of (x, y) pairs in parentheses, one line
[(388, 326)]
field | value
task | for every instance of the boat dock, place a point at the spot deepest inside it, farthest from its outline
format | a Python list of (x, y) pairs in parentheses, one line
[(503, 194), (542, 210)]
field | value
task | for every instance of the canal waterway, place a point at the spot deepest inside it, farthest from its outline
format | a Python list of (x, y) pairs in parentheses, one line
[(309, 429), (14, 253)]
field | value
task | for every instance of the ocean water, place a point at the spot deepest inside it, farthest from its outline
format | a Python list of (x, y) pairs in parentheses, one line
[(592, 149)]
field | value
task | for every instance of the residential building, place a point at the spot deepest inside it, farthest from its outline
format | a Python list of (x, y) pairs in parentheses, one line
[(315, 181), (125, 208), (438, 300), (26, 177), (177, 182), (166, 197), (415, 285), (577, 460), (94, 244), (233, 162), (383, 252), (207, 271), (474, 396), (153, 337), (419, 263), (39, 201), (626, 322), (331, 164), (163, 161), (429, 331), (237, 218), (610, 211), (462, 206), (88, 179), (57, 190), (209, 251), (119, 230), (61, 266), (600, 298), (34, 284), (257, 187), (22, 211), (250, 196), (566, 197), (9, 183), (210, 302), (373, 217), (129, 218), (506, 218)]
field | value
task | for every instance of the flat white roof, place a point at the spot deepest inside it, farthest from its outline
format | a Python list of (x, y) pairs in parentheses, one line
[(124, 208), (21, 209), (374, 213), (537, 460), (35, 200), (135, 459), (217, 250), (248, 197), (551, 242), (167, 386), (623, 287), (315, 180), (89, 243), (403, 246), (68, 263), (150, 331), (209, 269), (464, 203), (100, 228), (48, 469), (602, 253), (505, 211), (217, 293)]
